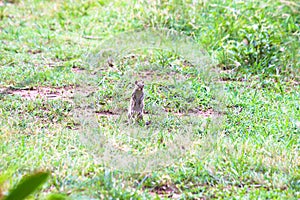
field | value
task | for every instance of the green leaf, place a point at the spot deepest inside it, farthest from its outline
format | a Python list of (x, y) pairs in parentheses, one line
[(27, 186), (57, 197)]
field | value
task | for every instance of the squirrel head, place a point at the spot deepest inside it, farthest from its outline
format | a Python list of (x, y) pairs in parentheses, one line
[(139, 85)]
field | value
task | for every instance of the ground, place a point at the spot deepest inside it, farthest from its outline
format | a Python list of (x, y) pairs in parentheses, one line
[(221, 94)]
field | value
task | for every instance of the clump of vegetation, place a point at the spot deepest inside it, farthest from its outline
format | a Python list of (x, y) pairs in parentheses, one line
[(257, 37)]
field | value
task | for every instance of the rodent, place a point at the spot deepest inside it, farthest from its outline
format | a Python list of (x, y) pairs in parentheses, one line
[(136, 106)]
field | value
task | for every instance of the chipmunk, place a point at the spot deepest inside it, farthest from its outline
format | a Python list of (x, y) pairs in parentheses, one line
[(136, 106)]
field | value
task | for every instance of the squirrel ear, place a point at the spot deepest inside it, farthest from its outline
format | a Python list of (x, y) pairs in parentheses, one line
[(136, 82)]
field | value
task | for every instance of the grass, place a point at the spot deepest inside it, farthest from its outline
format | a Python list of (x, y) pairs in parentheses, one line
[(222, 95)]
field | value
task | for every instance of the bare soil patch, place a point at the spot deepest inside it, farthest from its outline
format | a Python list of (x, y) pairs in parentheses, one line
[(41, 92), (77, 70), (166, 191), (106, 113), (37, 51)]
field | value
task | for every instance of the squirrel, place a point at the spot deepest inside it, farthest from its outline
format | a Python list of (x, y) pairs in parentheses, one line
[(136, 106)]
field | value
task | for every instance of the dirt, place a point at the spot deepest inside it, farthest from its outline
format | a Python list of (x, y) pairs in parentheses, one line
[(77, 70), (69, 92), (106, 113), (166, 191), (40, 92), (34, 51)]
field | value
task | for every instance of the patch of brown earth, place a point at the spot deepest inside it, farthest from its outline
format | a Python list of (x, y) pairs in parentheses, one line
[(41, 92), (31, 51), (106, 113), (166, 191), (77, 70)]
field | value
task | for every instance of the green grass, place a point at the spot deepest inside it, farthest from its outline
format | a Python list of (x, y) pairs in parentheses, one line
[(236, 62)]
